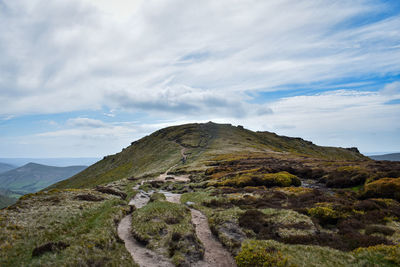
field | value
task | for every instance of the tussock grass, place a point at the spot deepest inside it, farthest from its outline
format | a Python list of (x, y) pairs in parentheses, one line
[(166, 228), (86, 229)]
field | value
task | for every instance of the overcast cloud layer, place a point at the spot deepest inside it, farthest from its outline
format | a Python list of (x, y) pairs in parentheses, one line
[(85, 78)]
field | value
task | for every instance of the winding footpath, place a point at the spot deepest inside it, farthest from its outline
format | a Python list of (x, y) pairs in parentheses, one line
[(140, 254), (215, 254)]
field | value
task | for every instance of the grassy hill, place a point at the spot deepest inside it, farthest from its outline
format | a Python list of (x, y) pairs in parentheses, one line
[(161, 150), (33, 177)]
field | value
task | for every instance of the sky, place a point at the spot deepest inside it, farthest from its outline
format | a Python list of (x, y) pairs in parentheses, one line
[(85, 78)]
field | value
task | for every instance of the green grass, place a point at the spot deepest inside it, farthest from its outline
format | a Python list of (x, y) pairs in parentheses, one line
[(301, 255), (282, 179), (88, 228), (166, 227), (150, 156)]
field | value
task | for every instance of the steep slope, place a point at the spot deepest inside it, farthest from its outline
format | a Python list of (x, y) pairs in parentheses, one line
[(33, 177), (161, 150), (6, 167), (391, 157)]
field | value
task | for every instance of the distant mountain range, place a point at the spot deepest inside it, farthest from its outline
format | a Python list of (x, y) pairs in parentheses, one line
[(33, 177), (6, 167), (58, 162), (391, 157)]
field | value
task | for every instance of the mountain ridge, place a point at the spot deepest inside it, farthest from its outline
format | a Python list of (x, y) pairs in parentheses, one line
[(155, 153), (33, 177)]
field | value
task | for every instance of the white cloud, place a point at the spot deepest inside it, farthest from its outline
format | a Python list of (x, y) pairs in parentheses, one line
[(336, 118), (86, 123), (184, 61), (72, 55), (392, 89), (120, 9)]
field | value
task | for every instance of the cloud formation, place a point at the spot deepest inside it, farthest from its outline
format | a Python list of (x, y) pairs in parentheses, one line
[(182, 61), (72, 55)]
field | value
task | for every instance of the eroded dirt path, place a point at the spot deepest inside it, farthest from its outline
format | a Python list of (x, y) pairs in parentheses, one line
[(182, 178), (215, 254), (171, 197), (140, 200), (140, 254)]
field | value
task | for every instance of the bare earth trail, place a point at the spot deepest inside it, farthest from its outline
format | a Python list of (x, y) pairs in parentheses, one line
[(140, 254), (215, 254), (180, 178)]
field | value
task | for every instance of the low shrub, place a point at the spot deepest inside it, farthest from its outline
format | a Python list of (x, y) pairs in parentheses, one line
[(325, 215), (255, 254), (344, 242), (282, 179), (379, 229), (383, 188), (344, 177), (350, 225), (367, 205), (252, 219)]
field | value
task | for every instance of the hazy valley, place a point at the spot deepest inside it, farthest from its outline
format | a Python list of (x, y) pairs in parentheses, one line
[(31, 178)]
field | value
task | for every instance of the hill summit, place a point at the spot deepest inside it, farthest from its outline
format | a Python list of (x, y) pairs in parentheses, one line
[(191, 147)]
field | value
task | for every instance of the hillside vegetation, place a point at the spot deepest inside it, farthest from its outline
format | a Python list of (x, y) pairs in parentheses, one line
[(269, 200), (203, 143)]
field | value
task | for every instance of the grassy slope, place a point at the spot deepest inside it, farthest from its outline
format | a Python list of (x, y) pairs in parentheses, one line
[(203, 142), (88, 228)]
